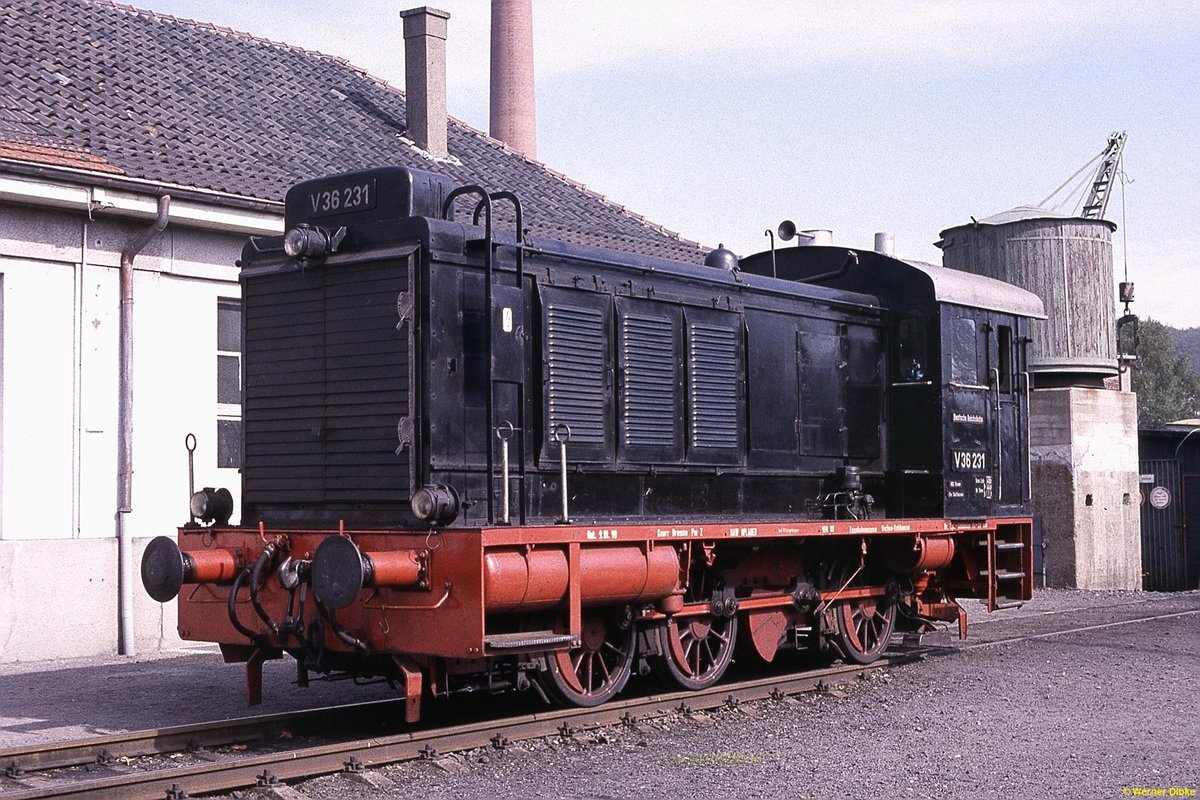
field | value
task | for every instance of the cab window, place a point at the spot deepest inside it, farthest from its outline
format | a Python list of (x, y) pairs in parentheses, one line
[(912, 350), (964, 352)]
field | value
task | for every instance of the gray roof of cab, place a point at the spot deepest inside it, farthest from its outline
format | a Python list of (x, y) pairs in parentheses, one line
[(116, 91), (979, 291), (890, 277)]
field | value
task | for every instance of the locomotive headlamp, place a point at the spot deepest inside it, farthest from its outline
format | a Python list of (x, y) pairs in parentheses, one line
[(212, 505), (435, 503), (307, 242)]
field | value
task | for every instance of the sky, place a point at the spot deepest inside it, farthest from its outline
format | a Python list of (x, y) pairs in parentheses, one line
[(719, 120)]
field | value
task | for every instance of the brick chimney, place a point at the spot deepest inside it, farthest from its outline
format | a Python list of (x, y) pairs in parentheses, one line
[(425, 78), (513, 110)]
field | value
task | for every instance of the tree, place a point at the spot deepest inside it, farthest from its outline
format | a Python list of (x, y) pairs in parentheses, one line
[(1187, 341), (1167, 387)]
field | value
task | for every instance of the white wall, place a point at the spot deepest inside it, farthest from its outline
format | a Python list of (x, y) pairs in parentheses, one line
[(38, 437), (58, 416)]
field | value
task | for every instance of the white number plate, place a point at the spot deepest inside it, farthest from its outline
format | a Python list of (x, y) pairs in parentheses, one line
[(969, 460), (342, 199)]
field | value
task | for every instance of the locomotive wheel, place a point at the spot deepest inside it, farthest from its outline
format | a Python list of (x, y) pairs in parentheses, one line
[(863, 625), (696, 650), (598, 669)]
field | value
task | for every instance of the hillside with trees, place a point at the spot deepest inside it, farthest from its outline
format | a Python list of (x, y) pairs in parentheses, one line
[(1167, 384), (1187, 342)]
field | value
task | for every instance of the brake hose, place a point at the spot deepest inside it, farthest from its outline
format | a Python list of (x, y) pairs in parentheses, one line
[(243, 573), (337, 629), (256, 581)]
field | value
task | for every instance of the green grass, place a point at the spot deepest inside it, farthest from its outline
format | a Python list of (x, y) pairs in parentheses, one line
[(715, 760)]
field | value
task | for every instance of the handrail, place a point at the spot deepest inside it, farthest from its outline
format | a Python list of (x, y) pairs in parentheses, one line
[(1028, 443), (995, 372), (520, 245), (485, 204), (519, 249)]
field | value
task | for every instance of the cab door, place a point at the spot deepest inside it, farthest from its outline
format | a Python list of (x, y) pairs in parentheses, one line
[(915, 484), (969, 420), (1010, 386), (985, 415)]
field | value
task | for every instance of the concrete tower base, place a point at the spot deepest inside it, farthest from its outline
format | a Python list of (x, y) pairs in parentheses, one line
[(1083, 445)]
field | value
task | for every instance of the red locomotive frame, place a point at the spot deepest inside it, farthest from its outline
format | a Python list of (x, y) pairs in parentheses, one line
[(435, 605)]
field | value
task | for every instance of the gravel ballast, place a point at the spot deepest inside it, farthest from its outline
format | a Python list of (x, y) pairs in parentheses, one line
[(1085, 715), (1105, 712)]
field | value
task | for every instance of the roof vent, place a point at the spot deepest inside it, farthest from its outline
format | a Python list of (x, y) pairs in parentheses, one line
[(721, 258), (885, 244)]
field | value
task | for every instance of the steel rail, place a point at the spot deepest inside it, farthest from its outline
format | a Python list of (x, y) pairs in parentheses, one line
[(1068, 631), (976, 624), (177, 739), (236, 772)]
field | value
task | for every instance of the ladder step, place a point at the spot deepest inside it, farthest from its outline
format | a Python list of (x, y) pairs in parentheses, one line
[(527, 639), (1005, 575), (1004, 545)]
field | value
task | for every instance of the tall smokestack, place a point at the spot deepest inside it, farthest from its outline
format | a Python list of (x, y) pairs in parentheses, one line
[(513, 108), (425, 78)]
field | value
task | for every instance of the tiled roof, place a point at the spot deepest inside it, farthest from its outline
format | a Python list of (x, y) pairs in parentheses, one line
[(56, 156), (105, 87)]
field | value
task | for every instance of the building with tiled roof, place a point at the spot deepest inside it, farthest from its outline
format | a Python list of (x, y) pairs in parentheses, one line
[(108, 88), (103, 110)]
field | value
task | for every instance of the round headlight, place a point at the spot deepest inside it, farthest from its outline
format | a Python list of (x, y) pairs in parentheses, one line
[(305, 242), (435, 503), (212, 505)]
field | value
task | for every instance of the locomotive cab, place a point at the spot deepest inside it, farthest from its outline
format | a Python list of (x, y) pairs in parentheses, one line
[(957, 386)]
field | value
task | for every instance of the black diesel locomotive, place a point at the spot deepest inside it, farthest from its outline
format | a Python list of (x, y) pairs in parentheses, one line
[(475, 459)]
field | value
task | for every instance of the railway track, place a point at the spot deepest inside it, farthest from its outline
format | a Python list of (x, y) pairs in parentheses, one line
[(114, 769), (115, 751), (1077, 629), (43, 771)]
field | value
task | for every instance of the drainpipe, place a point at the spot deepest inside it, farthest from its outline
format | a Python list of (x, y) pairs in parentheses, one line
[(125, 430)]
